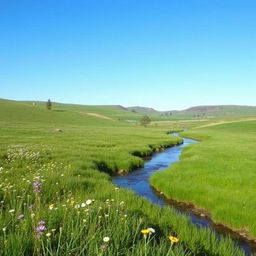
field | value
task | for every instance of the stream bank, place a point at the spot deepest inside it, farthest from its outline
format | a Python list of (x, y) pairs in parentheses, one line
[(138, 181)]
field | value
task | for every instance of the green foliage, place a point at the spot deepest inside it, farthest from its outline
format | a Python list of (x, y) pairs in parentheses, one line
[(49, 105), (145, 120)]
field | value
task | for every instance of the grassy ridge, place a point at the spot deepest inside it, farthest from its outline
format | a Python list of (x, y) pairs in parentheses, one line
[(218, 174), (66, 165), (199, 112)]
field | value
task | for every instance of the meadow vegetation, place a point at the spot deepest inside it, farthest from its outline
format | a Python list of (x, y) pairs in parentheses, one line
[(57, 198), (217, 174)]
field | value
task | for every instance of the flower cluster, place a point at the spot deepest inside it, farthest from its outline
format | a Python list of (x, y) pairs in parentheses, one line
[(37, 187), (149, 231)]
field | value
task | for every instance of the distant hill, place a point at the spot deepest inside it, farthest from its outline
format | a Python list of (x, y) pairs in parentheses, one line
[(217, 111), (144, 110), (12, 109), (208, 111)]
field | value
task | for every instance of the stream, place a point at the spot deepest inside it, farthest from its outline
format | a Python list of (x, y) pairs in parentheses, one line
[(138, 181)]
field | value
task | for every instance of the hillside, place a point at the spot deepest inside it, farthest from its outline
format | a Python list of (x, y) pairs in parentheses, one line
[(61, 114), (113, 113), (198, 112)]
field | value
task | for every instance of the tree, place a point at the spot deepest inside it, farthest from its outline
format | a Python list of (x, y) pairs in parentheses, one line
[(145, 120), (49, 104)]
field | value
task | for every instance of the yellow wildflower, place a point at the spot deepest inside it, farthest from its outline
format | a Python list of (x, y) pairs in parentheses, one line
[(51, 206), (145, 231), (173, 239)]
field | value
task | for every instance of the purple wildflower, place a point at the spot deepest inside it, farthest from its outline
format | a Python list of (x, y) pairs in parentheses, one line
[(37, 187), (21, 217), (40, 229), (41, 223)]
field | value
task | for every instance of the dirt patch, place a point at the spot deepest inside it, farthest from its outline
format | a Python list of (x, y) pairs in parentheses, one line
[(227, 122), (99, 116)]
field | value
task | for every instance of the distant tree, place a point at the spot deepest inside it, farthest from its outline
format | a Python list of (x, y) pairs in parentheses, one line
[(145, 120), (49, 104)]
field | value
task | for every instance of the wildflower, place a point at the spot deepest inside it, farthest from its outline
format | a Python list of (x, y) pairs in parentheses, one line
[(32, 215), (173, 239), (51, 206), (21, 217), (53, 230), (11, 211), (116, 188), (40, 229), (88, 202), (42, 222), (83, 205), (48, 234), (4, 229), (151, 230), (106, 239), (145, 231), (37, 187)]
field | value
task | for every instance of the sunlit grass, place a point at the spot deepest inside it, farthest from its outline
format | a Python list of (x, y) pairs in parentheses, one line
[(218, 174), (56, 195)]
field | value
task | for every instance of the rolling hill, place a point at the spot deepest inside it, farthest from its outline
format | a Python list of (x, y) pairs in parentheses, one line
[(113, 113), (198, 112)]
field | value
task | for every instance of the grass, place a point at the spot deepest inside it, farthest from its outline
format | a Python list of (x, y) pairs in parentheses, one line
[(218, 174), (62, 179)]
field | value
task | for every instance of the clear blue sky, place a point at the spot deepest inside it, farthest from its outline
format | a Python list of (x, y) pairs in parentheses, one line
[(164, 54)]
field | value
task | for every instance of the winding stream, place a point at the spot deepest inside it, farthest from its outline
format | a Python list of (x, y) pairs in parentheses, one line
[(138, 181)]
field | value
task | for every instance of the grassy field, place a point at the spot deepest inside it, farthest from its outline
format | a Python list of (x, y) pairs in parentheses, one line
[(217, 174), (57, 198)]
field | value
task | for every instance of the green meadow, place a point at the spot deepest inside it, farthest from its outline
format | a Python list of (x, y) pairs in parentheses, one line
[(217, 174), (57, 198)]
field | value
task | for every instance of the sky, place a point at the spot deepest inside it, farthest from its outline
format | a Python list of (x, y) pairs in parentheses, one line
[(165, 54)]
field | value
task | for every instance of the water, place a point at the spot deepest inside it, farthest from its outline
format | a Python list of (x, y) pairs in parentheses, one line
[(138, 181)]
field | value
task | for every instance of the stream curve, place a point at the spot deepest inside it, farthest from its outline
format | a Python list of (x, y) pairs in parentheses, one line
[(138, 181)]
